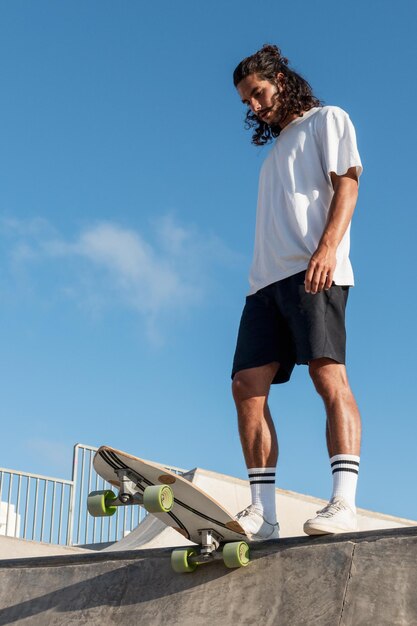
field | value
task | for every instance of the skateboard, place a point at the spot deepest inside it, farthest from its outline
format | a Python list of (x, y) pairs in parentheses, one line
[(176, 502)]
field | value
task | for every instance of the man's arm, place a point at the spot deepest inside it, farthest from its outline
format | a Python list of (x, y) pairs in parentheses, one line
[(320, 270)]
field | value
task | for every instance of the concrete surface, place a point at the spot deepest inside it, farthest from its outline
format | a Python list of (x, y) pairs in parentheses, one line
[(151, 533), (10, 548), (346, 580)]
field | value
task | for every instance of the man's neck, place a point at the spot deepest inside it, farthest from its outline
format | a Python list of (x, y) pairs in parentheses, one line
[(290, 117)]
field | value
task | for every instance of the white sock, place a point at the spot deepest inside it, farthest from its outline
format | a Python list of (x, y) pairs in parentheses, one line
[(262, 486), (345, 470)]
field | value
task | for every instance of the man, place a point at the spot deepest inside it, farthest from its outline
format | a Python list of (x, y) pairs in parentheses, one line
[(299, 283)]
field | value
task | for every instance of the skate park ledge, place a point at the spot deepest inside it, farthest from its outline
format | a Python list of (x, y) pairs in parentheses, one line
[(353, 578)]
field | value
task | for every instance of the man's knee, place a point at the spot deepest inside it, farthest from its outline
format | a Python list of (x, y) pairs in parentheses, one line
[(253, 382), (243, 386), (329, 377)]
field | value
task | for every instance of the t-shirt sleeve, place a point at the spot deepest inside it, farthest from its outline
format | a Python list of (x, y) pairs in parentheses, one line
[(340, 151)]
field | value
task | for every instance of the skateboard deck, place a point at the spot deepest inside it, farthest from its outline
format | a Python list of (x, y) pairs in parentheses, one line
[(190, 511)]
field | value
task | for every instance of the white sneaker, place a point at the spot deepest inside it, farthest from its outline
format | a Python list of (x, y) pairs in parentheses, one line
[(336, 517), (256, 526)]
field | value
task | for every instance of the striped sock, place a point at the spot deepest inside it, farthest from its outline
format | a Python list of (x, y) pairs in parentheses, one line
[(345, 470), (262, 486)]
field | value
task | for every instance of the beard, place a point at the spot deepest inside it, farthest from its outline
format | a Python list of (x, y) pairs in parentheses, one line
[(274, 119)]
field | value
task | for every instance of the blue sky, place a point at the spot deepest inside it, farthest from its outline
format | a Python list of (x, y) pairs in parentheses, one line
[(127, 210)]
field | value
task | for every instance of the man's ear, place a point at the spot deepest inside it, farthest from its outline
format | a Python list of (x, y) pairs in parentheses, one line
[(280, 80)]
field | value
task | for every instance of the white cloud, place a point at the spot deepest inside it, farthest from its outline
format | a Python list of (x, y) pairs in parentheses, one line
[(108, 265), (149, 281), (34, 228), (173, 237)]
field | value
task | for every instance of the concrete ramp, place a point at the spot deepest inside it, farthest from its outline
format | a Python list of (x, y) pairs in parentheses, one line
[(360, 579), (151, 533), (10, 548)]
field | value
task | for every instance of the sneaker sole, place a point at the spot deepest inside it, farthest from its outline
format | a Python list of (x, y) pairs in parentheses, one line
[(318, 529), (255, 538)]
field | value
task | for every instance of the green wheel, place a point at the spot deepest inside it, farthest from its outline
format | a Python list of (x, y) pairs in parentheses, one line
[(98, 503), (158, 499), (180, 560), (236, 554)]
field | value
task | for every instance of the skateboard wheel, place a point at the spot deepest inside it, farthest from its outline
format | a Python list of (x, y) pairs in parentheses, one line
[(236, 554), (98, 503), (180, 560), (158, 499)]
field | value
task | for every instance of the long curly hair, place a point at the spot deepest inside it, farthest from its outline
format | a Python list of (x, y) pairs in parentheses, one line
[(296, 95)]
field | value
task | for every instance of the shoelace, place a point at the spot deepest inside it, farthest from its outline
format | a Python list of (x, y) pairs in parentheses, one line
[(246, 512), (250, 509), (332, 508)]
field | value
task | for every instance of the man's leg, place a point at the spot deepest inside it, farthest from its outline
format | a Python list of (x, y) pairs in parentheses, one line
[(343, 435), (260, 447), (343, 427), (257, 431)]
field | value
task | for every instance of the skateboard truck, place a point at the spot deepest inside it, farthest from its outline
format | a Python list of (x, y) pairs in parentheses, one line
[(210, 542), (128, 491), (234, 554)]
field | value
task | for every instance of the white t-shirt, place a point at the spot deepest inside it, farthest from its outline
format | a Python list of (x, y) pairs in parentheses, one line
[(295, 192)]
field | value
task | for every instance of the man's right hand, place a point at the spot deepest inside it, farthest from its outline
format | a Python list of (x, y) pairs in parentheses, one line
[(320, 270)]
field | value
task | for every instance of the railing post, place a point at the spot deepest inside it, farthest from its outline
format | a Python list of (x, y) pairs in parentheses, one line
[(71, 505)]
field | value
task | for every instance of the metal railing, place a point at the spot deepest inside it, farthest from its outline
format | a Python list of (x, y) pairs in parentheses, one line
[(34, 507), (54, 510)]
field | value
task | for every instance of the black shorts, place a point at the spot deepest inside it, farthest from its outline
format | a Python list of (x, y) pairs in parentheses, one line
[(283, 323)]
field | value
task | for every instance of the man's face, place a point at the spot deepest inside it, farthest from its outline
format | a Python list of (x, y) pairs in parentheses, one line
[(258, 94)]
